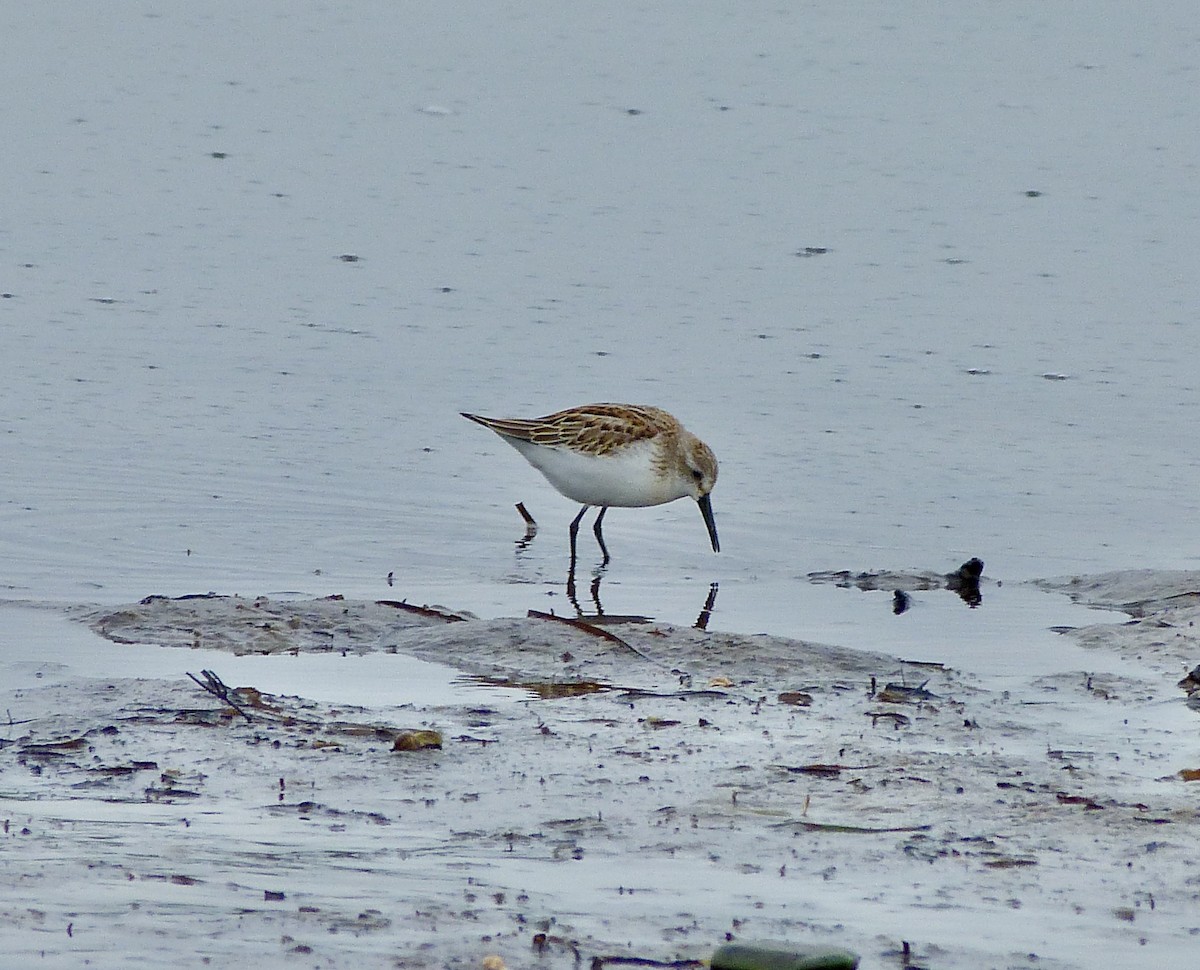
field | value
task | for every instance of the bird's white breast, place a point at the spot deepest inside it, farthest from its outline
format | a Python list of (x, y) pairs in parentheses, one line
[(628, 478)]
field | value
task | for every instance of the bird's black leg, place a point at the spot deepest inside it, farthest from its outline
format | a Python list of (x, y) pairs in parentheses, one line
[(600, 535), (575, 530)]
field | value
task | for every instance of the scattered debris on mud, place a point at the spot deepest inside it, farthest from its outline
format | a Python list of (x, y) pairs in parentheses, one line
[(660, 791)]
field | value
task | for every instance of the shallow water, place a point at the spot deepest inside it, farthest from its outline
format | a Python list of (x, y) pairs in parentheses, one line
[(203, 395)]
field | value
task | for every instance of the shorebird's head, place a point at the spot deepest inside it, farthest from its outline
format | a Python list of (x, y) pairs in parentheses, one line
[(702, 473)]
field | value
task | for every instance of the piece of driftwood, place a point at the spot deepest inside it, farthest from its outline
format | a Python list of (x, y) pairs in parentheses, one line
[(589, 628), (218, 688), (422, 610)]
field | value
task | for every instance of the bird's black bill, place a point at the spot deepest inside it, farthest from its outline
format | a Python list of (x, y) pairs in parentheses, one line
[(706, 511)]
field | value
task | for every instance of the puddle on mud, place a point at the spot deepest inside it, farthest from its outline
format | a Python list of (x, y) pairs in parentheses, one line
[(41, 646)]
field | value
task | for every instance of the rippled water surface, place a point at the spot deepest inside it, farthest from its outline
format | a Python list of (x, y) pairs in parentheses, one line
[(925, 283)]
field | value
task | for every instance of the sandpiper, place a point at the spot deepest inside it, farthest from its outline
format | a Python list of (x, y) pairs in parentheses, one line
[(624, 455)]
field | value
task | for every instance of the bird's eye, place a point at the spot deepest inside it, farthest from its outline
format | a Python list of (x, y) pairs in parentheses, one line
[(697, 474)]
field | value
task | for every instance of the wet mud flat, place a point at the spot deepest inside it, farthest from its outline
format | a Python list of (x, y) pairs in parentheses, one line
[(657, 791)]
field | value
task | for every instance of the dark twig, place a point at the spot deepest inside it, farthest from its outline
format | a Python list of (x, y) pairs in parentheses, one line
[(592, 629), (218, 688), (422, 610)]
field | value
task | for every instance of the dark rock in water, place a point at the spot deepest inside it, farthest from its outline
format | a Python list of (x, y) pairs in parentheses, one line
[(965, 582), (972, 569)]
